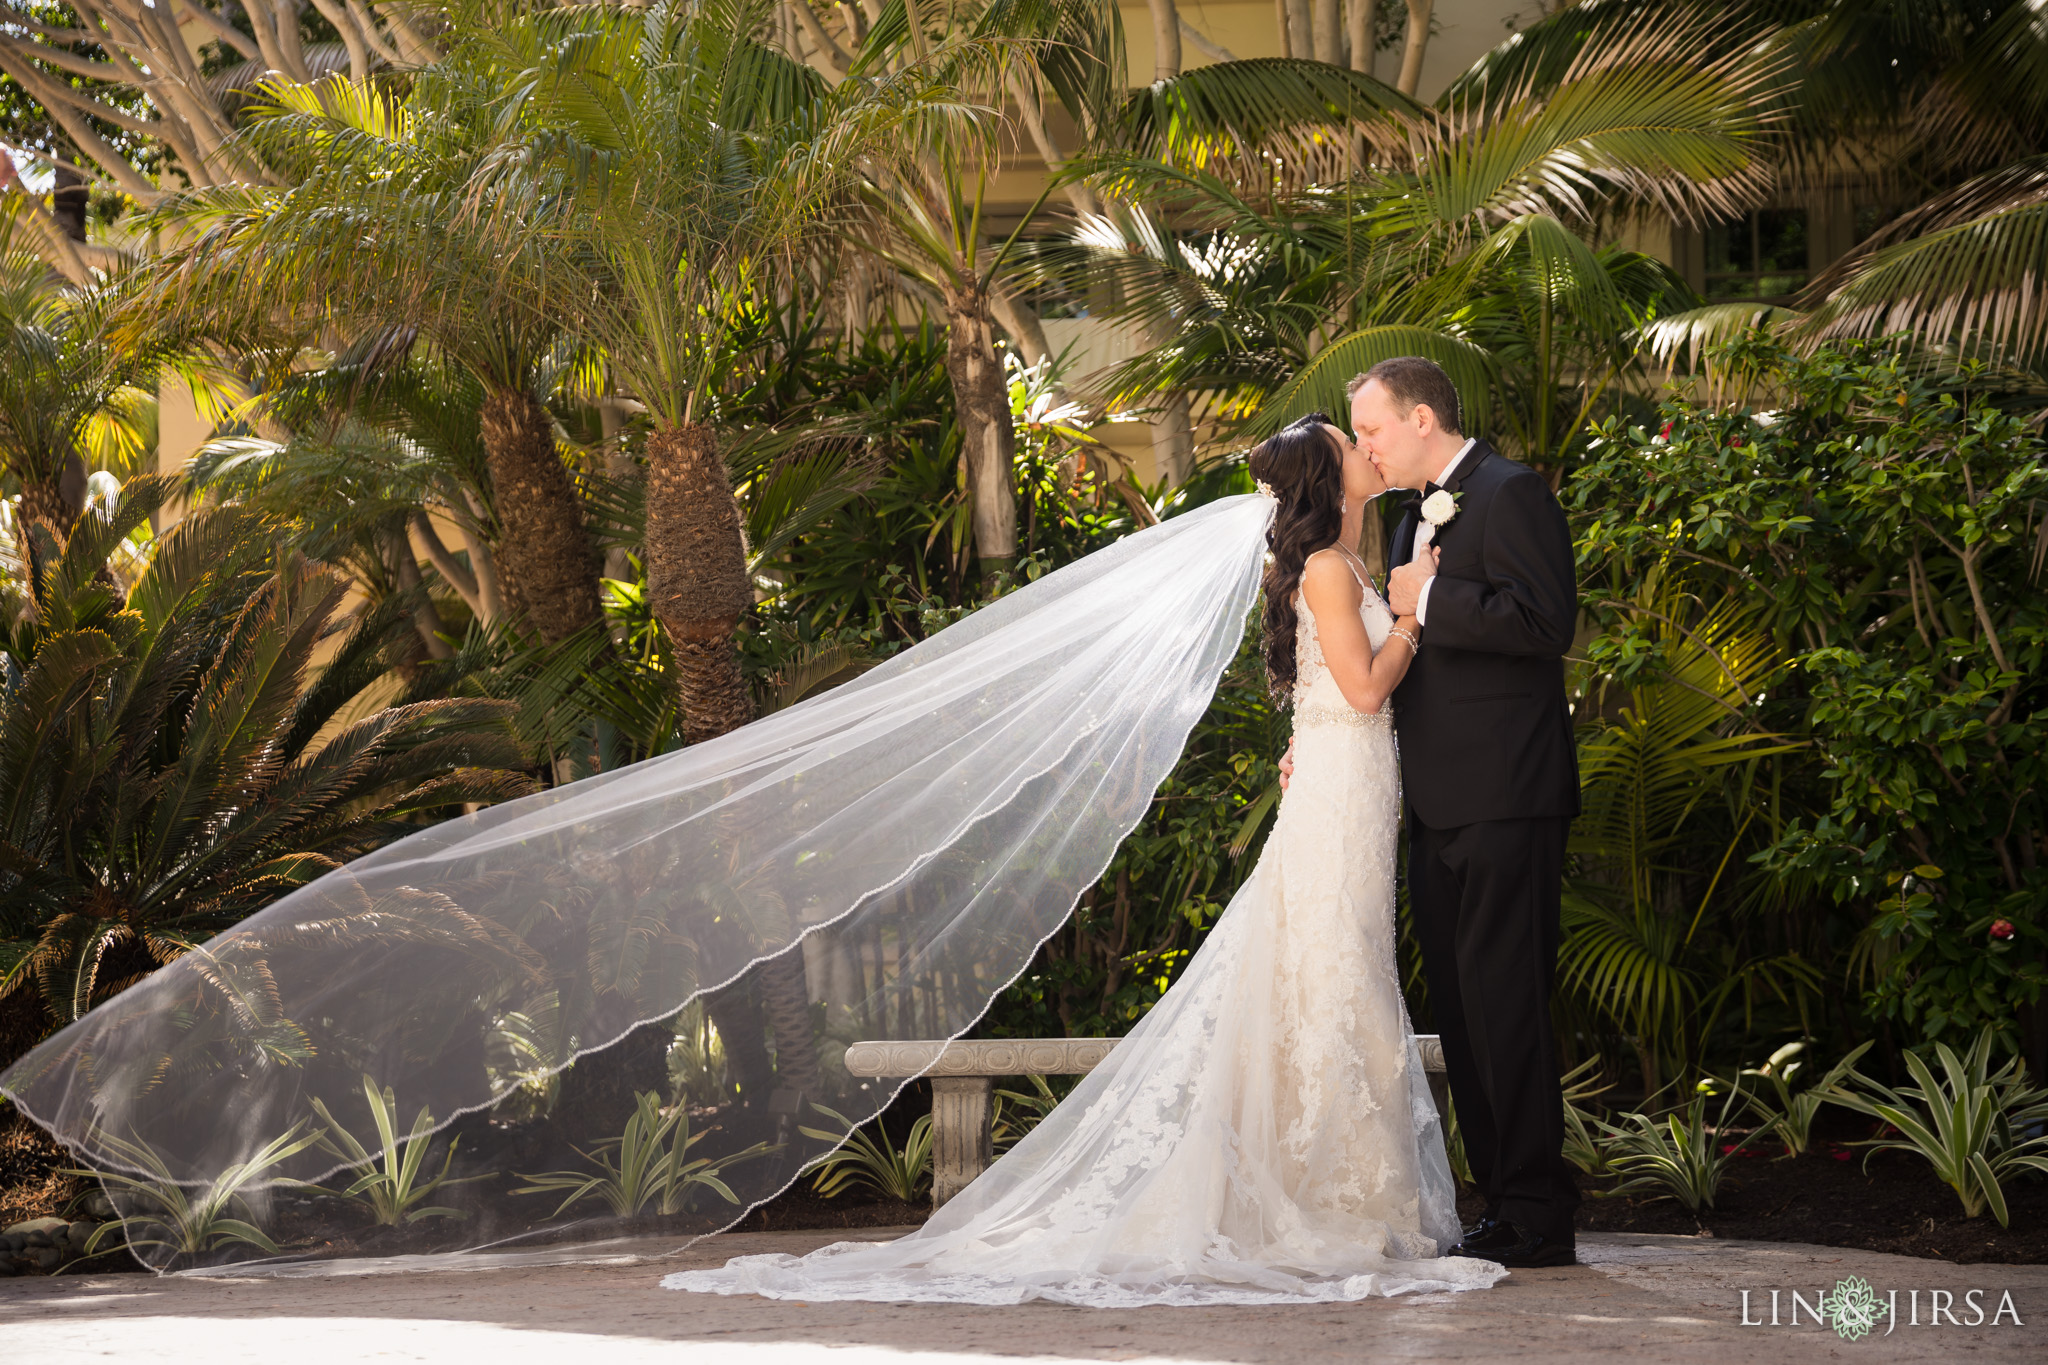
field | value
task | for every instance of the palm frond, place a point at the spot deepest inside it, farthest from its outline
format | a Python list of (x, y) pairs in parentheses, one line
[(1319, 385), (1968, 268)]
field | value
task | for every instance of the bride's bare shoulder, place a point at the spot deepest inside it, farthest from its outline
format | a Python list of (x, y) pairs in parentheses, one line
[(1327, 578)]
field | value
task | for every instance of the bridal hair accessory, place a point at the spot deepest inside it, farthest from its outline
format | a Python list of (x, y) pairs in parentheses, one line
[(1265, 489), (1439, 507)]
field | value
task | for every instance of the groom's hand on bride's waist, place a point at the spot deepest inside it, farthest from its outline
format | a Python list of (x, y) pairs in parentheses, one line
[(1287, 766)]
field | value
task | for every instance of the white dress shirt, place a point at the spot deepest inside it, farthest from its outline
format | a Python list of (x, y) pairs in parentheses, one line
[(1423, 532)]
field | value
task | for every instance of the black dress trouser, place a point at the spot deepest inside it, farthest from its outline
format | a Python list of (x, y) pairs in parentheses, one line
[(1486, 902)]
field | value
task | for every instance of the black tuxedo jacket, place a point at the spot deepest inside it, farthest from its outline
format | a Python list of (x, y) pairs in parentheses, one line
[(1485, 730)]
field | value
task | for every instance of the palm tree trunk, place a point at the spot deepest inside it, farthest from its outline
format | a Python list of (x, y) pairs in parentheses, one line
[(1301, 34), (43, 500), (546, 567), (697, 579), (1329, 31), (1165, 39), (1360, 17), (1417, 46), (981, 403)]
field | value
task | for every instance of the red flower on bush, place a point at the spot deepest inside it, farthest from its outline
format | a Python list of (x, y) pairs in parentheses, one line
[(2001, 928)]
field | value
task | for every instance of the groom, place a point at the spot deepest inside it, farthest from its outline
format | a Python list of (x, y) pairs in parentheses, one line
[(1491, 781)]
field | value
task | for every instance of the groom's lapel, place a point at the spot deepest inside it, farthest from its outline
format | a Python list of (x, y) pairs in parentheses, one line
[(1481, 453)]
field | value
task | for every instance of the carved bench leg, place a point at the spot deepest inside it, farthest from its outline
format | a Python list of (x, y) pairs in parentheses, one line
[(962, 1145)]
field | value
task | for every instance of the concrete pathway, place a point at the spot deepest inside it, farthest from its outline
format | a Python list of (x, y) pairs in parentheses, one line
[(1635, 1298)]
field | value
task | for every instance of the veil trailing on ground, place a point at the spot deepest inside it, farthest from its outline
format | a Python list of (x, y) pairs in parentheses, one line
[(440, 1046)]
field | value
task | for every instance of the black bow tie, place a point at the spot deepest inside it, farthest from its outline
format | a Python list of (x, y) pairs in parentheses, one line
[(1430, 488)]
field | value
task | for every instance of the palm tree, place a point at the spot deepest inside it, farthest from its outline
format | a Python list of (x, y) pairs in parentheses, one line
[(1662, 828), (685, 161), (1947, 103), (377, 454), (1953, 98), (65, 388), (171, 761), (375, 242), (1461, 232), (924, 216)]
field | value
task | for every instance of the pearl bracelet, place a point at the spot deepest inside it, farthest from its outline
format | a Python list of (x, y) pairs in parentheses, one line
[(1414, 645)]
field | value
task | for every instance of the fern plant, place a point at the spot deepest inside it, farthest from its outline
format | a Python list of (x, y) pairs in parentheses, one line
[(388, 1180), (649, 1163), (1969, 1129), (903, 1173)]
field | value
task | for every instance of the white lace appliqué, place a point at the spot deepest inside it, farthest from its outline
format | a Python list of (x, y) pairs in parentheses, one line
[(1264, 1135)]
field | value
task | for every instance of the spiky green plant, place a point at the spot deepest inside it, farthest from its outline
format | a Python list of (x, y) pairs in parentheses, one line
[(172, 760), (1582, 1144), (1679, 1153), (647, 1164), (171, 1215), (1968, 1123), (388, 1179), (896, 1172), (1791, 1118)]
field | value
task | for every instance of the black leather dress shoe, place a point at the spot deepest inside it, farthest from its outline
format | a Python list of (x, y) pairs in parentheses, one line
[(1531, 1250), (1486, 1220), (1487, 1236)]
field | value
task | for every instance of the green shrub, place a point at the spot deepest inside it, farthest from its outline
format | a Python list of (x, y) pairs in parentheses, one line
[(895, 1172), (1679, 1153), (1970, 1130)]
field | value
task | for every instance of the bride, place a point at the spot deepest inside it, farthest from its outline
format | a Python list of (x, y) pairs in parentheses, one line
[(1265, 1133)]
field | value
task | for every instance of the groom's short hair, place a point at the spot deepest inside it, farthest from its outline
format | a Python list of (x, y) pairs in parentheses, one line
[(1409, 380)]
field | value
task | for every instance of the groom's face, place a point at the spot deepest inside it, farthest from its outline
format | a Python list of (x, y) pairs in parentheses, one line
[(1397, 441)]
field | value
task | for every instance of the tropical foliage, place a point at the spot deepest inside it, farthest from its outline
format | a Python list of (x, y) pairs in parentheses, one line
[(647, 1166), (592, 380), (1974, 1125), (1883, 525), (172, 760)]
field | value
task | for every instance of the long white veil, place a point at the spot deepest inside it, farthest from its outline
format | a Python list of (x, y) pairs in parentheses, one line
[(878, 862)]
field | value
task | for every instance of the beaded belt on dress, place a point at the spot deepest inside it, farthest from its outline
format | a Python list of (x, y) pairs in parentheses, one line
[(1314, 714)]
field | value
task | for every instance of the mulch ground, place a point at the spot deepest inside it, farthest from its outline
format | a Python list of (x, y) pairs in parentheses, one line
[(1827, 1198), (32, 1184)]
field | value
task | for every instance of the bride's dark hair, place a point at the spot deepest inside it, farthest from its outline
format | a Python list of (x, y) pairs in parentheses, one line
[(1305, 469)]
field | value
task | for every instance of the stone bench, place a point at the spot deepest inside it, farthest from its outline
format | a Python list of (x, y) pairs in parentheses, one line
[(963, 1075)]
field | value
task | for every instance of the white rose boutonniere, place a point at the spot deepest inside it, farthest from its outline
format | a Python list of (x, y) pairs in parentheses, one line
[(1439, 507)]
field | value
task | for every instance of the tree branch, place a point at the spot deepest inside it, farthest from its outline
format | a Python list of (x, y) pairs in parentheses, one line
[(833, 57), (351, 38), (220, 28), (446, 564), (1214, 51), (69, 61), (118, 168), (372, 34)]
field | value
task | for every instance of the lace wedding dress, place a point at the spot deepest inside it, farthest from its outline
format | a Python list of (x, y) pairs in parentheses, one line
[(1265, 1133)]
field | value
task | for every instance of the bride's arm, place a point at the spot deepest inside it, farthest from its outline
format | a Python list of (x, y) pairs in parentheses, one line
[(1333, 595)]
